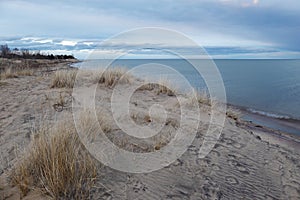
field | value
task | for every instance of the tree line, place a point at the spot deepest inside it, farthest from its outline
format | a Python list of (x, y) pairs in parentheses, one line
[(6, 52)]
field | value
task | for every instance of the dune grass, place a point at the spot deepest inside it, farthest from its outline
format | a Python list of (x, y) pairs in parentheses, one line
[(57, 164), (64, 79), (91, 124), (202, 97), (112, 76), (15, 73), (164, 86), (8, 73)]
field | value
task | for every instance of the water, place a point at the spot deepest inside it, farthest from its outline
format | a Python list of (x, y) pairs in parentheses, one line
[(264, 87)]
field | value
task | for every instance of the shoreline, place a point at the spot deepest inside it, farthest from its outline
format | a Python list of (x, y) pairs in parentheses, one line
[(288, 126), (274, 121)]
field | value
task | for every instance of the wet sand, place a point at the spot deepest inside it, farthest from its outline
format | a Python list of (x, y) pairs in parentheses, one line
[(290, 126)]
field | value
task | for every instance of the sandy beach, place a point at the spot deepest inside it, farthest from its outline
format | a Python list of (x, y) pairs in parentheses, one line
[(248, 161)]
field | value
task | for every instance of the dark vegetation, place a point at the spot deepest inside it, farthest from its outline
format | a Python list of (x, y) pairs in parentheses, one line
[(6, 52)]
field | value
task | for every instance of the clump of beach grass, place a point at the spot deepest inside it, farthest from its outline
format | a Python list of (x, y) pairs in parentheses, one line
[(202, 97), (64, 79), (8, 73), (110, 77), (57, 164), (196, 97), (164, 86)]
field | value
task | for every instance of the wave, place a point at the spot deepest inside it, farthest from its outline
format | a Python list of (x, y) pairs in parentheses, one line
[(269, 114)]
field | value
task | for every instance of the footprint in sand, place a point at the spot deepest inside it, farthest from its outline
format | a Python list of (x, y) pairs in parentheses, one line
[(193, 149), (233, 143), (238, 145), (231, 180), (215, 153), (216, 167), (242, 169)]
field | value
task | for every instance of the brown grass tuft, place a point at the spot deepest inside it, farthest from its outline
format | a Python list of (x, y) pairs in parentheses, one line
[(111, 76), (202, 97), (64, 78), (8, 73), (57, 164), (25, 72), (163, 87), (14, 73)]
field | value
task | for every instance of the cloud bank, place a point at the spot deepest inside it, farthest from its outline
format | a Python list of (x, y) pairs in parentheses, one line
[(227, 28)]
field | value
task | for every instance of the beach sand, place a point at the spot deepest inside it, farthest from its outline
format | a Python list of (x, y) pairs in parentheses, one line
[(247, 162)]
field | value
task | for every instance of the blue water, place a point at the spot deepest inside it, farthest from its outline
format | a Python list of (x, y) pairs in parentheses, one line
[(266, 87)]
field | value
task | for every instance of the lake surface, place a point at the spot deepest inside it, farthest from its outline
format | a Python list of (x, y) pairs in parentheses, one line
[(264, 87)]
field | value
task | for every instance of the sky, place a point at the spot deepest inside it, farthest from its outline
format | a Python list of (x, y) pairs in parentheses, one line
[(225, 28)]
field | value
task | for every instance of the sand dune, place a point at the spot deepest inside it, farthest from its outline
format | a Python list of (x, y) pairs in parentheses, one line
[(247, 162)]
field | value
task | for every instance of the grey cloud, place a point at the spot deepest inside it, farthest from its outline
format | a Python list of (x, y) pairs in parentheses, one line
[(274, 23)]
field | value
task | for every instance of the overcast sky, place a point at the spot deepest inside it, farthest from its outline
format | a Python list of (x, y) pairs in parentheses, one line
[(227, 28)]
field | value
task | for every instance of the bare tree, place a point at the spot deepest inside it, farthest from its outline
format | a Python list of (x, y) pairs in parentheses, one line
[(5, 50)]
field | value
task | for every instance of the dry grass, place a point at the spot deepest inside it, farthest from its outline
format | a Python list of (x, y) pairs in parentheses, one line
[(110, 77), (165, 87), (8, 73), (15, 73), (90, 123), (60, 102), (196, 97), (25, 72), (64, 78), (57, 164), (162, 87), (202, 97)]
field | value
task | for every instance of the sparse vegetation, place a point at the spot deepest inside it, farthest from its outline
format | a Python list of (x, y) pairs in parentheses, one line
[(202, 97), (111, 76), (163, 87), (60, 102), (90, 124), (8, 73), (15, 73), (64, 78), (25, 72), (57, 164)]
